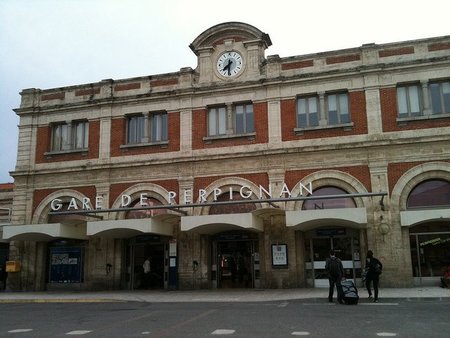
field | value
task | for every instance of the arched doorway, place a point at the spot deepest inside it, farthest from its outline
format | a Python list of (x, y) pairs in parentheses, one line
[(66, 258), (149, 246), (318, 243), (235, 259), (430, 240), (344, 240), (234, 253)]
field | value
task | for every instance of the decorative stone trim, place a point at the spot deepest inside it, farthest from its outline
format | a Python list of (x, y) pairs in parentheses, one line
[(396, 51), (297, 64)]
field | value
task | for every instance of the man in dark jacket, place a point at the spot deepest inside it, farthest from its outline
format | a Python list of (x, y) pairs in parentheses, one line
[(335, 271), (373, 270)]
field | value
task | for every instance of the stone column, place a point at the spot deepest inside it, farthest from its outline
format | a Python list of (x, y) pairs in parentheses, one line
[(205, 65), (105, 138), (322, 109), (230, 130), (373, 105), (426, 98), (274, 121), (186, 131), (186, 190), (146, 138), (67, 142)]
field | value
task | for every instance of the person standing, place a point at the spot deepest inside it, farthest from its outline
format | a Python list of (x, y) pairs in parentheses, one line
[(3, 276), (445, 280), (147, 273), (373, 268), (335, 271)]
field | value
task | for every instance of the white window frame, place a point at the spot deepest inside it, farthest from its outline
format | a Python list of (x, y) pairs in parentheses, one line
[(247, 119), (341, 108), (80, 134), (159, 125), (231, 120), (217, 121), (70, 136), (147, 128), (409, 100), (305, 109), (443, 91), (135, 129)]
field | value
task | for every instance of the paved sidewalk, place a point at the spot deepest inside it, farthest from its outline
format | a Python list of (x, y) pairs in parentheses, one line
[(229, 295)]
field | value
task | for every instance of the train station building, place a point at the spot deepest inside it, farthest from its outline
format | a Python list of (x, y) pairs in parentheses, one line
[(241, 173)]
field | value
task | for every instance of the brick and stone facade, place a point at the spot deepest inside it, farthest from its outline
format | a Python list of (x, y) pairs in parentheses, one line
[(375, 151)]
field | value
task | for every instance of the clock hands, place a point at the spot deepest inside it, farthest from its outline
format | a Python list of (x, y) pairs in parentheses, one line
[(229, 64), (228, 67)]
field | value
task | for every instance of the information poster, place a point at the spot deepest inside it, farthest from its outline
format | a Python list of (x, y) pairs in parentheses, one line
[(279, 255), (65, 265)]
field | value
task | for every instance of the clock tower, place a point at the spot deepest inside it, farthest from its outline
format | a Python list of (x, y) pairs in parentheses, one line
[(230, 51)]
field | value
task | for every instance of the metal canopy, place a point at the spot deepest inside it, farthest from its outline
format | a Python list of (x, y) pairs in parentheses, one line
[(196, 205)]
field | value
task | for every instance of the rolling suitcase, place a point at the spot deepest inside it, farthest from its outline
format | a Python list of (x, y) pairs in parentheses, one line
[(349, 292)]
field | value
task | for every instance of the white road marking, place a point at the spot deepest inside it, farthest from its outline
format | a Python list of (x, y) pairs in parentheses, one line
[(300, 333), (20, 330), (284, 304), (223, 331), (78, 332), (386, 334), (376, 304), (146, 332)]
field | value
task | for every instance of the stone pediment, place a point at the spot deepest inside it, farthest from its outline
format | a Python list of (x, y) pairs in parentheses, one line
[(237, 31)]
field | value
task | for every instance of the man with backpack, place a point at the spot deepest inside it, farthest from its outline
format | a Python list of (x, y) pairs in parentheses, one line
[(335, 271), (373, 269)]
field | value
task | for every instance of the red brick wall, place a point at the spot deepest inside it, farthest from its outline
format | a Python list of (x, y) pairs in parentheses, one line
[(342, 58), (43, 138), (87, 91), (222, 41), (438, 46), (163, 82), (297, 64), (357, 103), (118, 189), (389, 114), (53, 96), (199, 126), (396, 51), (127, 86), (43, 145), (388, 104), (261, 122), (40, 194), (199, 129), (118, 138), (396, 170), (360, 172), (202, 182)]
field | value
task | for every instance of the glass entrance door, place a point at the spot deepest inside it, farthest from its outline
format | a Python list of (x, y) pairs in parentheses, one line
[(140, 249), (235, 264), (235, 260), (346, 248)]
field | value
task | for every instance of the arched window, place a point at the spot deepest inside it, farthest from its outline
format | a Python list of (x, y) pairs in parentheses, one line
[(66, 218), (429, 194), (332, 203), (146, 213), (231, 208)]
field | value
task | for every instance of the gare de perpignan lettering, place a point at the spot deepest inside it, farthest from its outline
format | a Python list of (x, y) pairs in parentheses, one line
[(125, 200)]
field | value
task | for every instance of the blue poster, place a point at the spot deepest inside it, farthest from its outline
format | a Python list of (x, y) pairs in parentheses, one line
[(65, 265)]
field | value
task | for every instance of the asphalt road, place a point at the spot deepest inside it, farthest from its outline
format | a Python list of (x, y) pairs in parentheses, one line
[(313, 318)]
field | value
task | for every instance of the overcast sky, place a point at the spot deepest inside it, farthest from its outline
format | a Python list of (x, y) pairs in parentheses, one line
[(55, 43)]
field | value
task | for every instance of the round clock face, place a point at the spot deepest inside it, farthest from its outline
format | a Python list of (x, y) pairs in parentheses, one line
[(230, 64)]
